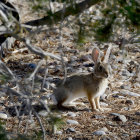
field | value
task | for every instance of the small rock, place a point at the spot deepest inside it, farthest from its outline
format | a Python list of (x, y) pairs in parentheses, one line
[(50, 79), (115, 96), (103, 104), (70, 70), (43, 113), (125, 87), (110, 123), (90, 69), (120, 118), (32, 65), (71, 114), (73, 58), (75, 51), (115, 114), (126, 92), (130, 102), (104, 129), (99, 133), (52, 67), (126, 135), (131, 62), (88, 64), (59, 132), (47, 85), (65, 59), (137, 113), (79, 70), (137, 85), (121, 97), (70, 130), (103, 97), (126, 108), (84, 58), (69, 138), (97, 117), (115, 92), (136, 123), (126, 73), (72, 122), (3, 115)]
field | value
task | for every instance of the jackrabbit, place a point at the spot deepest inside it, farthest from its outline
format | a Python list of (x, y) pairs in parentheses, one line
[(91, 85)]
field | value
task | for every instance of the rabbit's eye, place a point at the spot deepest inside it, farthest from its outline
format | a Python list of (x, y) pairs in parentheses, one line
[(100, 68)]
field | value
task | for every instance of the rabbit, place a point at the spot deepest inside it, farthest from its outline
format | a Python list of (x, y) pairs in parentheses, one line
[(91, 85)]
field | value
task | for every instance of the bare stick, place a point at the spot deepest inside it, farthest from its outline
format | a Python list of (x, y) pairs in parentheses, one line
[(41, 125)]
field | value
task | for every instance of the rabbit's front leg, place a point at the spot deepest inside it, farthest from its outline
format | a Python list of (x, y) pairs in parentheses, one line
[(92, 102), (97, 102)]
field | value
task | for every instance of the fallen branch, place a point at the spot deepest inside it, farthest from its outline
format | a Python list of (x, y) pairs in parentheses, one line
[(70, 10)]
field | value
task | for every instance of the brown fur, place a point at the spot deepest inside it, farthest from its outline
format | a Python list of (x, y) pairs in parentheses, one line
[(91, 85)]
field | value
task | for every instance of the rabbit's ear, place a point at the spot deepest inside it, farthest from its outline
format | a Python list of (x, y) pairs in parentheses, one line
[(107, 53), (96, 55)]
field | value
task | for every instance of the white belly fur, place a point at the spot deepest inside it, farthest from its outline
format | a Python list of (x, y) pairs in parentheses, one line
[(102, 87)]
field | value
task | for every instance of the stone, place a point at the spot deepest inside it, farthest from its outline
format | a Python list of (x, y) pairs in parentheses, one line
[(32, 65), (126, 92), (72, 122), (65, 59), (126, 108), (130, 102), (99, 133), (137, 113), (119, 117), (73, 58), (97, 117), (137, 85), (136, 123), (3, 115), (115, 114), (121, 97), (59, 132), (70, 130), (125, 87), (70, 69), (125, 73), (71, 114), (79, 70), (104, 129), (43, 113), (90, 69), (126, 135), (103, 104), (69, 138), (84, 58)]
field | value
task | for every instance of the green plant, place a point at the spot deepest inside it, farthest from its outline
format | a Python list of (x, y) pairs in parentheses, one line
[(55, 122)]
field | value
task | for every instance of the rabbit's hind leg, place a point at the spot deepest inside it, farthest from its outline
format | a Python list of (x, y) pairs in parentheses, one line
[(66, 105)]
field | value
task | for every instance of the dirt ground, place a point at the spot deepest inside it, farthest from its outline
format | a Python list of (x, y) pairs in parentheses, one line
[(114, 101)]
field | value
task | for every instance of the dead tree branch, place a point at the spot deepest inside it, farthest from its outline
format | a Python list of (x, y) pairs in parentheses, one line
[(70, 10)]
